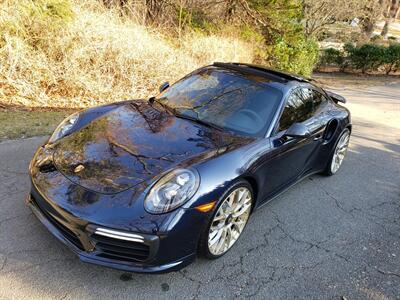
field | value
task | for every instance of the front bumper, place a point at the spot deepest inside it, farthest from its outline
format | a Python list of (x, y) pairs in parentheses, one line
[(123, 250)]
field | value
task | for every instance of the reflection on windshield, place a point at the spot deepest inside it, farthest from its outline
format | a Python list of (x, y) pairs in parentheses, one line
[(239, 102)]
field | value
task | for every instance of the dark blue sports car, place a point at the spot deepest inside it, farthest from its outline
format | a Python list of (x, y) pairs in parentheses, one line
[(146, 186)]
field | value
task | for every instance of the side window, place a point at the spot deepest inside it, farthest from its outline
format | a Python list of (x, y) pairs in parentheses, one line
[(319, 99), (315, 97), (299, 108), (308, 109)]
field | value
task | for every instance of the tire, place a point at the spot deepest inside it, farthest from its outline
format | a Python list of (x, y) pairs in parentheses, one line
[(232, 227), (342, 143)]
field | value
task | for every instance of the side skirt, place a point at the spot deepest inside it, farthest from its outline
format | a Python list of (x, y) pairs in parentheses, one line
[(268, 199)]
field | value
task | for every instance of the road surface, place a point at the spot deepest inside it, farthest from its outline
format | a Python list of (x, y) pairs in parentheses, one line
[(325, 238)]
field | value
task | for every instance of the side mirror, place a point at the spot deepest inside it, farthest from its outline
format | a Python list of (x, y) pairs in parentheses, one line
[(336, 97), (163, 87), (297, 130)]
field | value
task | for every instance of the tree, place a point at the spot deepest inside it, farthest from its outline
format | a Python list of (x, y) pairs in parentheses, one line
[(390, 14), (280, 22), (320, 13)]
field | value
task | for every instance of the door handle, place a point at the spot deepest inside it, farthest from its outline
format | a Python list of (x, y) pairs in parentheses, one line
[(317, 137)]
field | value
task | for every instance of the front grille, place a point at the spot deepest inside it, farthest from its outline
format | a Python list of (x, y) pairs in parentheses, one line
[(121, 250), (66, 232)]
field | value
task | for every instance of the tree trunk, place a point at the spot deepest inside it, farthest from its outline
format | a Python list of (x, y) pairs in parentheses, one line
[(391, 15), (368, 27), (153, 9), (385, 28)]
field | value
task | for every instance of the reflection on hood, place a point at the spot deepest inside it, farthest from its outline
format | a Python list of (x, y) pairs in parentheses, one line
[(133, 143)]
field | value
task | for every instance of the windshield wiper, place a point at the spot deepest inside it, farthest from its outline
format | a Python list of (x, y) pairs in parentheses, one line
[(199, 121)]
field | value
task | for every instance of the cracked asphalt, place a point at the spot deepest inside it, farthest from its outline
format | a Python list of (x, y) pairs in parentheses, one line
[(325, 238)]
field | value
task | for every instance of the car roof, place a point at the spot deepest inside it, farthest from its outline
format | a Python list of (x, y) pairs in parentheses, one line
[(269, 72)]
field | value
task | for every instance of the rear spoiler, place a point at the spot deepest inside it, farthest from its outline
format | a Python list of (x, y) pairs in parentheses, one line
[(336, 97)]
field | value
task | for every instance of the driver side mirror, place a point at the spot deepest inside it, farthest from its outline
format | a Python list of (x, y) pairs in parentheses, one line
[(297, 130), (163, 87)]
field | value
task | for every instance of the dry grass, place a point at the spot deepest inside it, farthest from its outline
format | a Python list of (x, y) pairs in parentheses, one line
[(94, 55), (21, 124)]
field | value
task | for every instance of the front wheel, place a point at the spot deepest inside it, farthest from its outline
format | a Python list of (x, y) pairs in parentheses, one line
[(337, 157), (228, 221)]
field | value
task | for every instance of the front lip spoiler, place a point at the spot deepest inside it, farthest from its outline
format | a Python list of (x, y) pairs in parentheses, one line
[(174, 266), (91, 258)]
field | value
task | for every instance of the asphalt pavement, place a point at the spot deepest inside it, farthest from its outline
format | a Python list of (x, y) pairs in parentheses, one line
[(326, 238)]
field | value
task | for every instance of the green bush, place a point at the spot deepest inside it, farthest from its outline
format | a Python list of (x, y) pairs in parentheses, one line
[(366, 57), (285, 45), (332, 56), (392, 58), (251, 35), (297, 57)]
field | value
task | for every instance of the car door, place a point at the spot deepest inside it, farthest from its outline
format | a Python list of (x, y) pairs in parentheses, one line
[(289, 156), (316, 124)]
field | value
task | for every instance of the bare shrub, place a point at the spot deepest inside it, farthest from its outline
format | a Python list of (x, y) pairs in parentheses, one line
[(80, 53)]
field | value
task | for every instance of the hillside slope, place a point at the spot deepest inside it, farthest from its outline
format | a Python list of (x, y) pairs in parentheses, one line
[(60, 53)]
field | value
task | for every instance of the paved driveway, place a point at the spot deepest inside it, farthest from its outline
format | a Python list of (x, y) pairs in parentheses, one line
[(326, 238)]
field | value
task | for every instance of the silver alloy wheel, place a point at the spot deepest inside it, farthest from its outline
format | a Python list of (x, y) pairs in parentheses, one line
[(340, 151), (229, 221)]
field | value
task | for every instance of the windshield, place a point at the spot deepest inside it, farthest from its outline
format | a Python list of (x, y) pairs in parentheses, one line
[(240, 102)]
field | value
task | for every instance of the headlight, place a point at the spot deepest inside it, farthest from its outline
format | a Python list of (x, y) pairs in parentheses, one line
[(172, 190), (64, 128)]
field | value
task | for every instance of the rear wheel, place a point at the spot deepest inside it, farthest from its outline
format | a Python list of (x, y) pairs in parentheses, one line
[(228, 221), (337, 157)]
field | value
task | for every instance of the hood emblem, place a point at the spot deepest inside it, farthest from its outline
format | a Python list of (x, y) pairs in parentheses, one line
[(79, 168)]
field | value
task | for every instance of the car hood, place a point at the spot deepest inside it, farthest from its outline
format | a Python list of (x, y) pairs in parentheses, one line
[(133, 143)]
